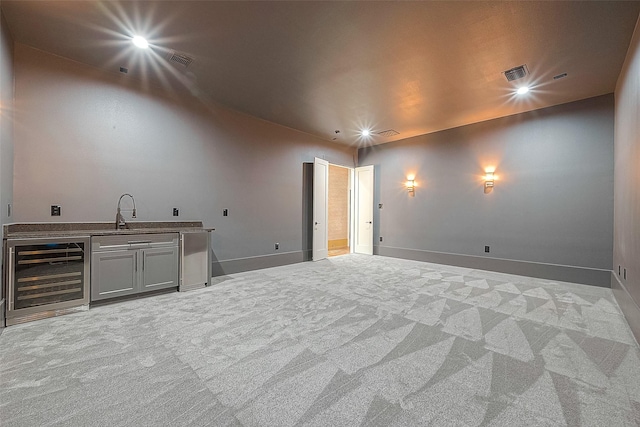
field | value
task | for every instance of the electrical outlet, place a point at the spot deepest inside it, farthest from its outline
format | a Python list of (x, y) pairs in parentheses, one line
[(225, 212), (381, 238), (379, 205), (277, 246), (176, 212), (56, 210), (486, 249)]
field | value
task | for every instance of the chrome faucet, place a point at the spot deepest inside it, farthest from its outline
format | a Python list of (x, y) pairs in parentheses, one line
[(120, 222)]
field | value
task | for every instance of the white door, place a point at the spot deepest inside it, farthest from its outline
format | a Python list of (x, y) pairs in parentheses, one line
[(364, 210), (320, 209)]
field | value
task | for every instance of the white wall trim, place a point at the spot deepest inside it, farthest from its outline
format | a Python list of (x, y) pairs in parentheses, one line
[(564, 273), (237, 265)]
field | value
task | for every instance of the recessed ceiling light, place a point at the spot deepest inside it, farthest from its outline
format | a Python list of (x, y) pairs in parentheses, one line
[(365, 132), (140, 42), (522, 90)]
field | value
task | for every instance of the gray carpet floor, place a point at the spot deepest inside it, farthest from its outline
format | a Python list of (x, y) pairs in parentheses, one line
[(349, 341)]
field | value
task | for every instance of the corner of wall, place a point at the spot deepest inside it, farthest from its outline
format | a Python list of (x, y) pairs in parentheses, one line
[(628, 306), (625, 280), (7, 95)]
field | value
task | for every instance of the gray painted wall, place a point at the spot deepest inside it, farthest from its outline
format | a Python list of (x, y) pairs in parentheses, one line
[(83, 137), (552, 202), (6, 132), (626, 235)]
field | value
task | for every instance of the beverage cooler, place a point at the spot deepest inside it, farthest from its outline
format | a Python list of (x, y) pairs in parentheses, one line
[(46, 277)]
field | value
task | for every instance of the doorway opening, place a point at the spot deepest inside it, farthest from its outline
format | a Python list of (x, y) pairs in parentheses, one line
[(359, 208), (339, 207)]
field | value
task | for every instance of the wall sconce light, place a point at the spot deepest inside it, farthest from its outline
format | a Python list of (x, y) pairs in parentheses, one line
[(489, 180), (411, 186)]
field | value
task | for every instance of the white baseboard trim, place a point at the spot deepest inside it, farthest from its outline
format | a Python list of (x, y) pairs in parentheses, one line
[(563, 273), (231, 266)]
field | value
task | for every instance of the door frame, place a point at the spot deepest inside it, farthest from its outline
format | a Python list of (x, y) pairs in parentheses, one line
[(320, 215)]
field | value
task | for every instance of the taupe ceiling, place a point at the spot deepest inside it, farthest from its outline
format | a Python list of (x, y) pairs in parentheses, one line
[(415, 67)]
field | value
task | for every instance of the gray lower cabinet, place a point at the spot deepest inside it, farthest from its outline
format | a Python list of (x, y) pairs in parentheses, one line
[(113, 274), (159, 268), (131, 264)]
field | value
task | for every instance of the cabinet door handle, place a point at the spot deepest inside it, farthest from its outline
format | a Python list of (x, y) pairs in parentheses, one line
[(136, 261), (142, 262), (139, 242), (12, 286)]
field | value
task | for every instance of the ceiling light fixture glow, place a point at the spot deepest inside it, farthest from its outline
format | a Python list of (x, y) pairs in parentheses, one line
[(140, 42), (366, 132), (522, 90)]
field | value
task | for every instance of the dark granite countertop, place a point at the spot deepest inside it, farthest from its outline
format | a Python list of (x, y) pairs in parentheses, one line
[(71, 229)]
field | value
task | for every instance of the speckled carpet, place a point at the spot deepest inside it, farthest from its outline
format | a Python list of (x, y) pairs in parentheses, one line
[(349, 341)]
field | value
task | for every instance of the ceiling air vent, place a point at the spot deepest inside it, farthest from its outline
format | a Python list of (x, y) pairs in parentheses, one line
[(389, 133), (516, 73), (179, 58)]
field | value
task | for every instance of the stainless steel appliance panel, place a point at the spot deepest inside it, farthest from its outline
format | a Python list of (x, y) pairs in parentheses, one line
[(194, 252)]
